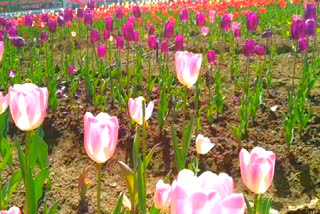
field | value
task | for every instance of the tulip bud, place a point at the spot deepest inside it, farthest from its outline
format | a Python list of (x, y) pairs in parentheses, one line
[(211, 57), (162, 195), (237, 33), (94, 35), (248, 48), (61, 21), (44, 17), (260, 49), (131, 19), (119, 13), (28, 20), (179, 42), (184, 15), (168, 30), (205, 31), (252, 21), (12, 32), (212, 16), (152, 42), (52, 24), (119, 43), (71, 69), (302, 45), (109, 23), (200, 19), (101, 50), (164, 47), (106, 35), (128, 32), (88, 18), (44, 36), (68, 15), (136, 111), (135, 36), (18, 42), (310, 11), (151, 30), (298, 29), (225, 23), (136, 11), (80, 13), (311, 27)]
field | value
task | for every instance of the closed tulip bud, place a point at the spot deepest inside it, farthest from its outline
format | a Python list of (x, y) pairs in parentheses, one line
[(100, 136), (106, 35), (61, 21), (109, 23), (88, 18), (200, 19), (80, 13), (131, 19), (44, 36), (44, 17), (71, 69), (311, 27), (52, 24), (184, 15), (152, 42), (136, 111), (179, 42), (12, 32), (12, 210), (310, 11), (136, 11), (211, 57), (298, 29), (18, 42), (257, 169), (260, 49), (119, 43), (252, 21), (302, 45), (91, 4), (203, 145), (237, 33), (2, 21), (1, 50), (249, 47), (162, 195), (168, 30), (1, 35), (28, 20), (164, 47), (119, 13), (212, 16), (94, 35), (187, 67), (205, 31), (267, 34), (8, 24), (4, 103), (128, 32), (225, 23), (101, 50), (68, 15), (135, 36), (151, 30), (28, 105)]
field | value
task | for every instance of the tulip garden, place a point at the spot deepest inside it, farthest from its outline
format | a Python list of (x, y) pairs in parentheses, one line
[(180, 107)]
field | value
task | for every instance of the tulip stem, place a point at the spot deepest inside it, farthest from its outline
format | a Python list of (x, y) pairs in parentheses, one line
[(144, 145), (30, 205), (185, 91), (99, 188), (294, 67), (256, 201)]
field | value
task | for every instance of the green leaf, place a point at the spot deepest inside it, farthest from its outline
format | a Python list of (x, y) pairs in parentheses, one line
[(149, 156), (119, 205), (248, 205), (129, 176), (154, 210), (5, 148), (10, 187), (4, 123), (141, 187), (176, 149), (5, 159), (187, 135), (39, 181), (54, 208), (21, 157)]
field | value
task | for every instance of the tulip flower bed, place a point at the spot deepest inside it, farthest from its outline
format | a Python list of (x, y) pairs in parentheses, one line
[(161, 107)]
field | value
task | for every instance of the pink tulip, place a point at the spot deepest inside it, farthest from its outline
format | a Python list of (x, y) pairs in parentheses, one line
[(296, 17), (1, 50), (100, 136), (12, 210), (257, 169), (135, 110), (28, 104), (235, 26), (208, 193), (205, 31), (203, 145), (212, 16), (162, 196), (187, 67), (4, 103)]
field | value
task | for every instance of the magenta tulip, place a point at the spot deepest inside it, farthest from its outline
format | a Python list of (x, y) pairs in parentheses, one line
[(136, 11), (109, 23), (152, 42), (100, 136), (200, 19), (257, 169), (1, 50), (184, 15), (101, 50), (168, 30), (164, 47), (211, 57), (28, 105), (119, 43), (135, 109), (179, 42), (71, 69), (162, 196), (187, 67), (128, 31)]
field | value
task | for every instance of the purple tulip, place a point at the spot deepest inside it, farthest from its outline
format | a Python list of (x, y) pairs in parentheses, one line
[(136, 36), (152, 42), (44, 17), (68, 15), (260, 49), (28, 20), (311, 27), (302, 45), (61, 21), (211, 57), (237, 33), (2, 21), (136, 11), (109, 23), (200, 19), (106, 35), (101, 50), (151, 30), (119, 43), (88, 18), (298, 29), (252, 21), (184, 15), (267, 34), (128, 32), (94, 35), (52, 24), (164, 47), (179, 42), (249, 47), (119, 13), (9, 24), (1, 35), (225, 23), (18, 42), (12, 32), (131, 19), (44, 36), (310, 11), (80, 13), (91, 4), (168, 30)]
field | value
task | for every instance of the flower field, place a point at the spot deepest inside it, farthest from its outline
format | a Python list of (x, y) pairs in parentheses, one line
[(178, 107)]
